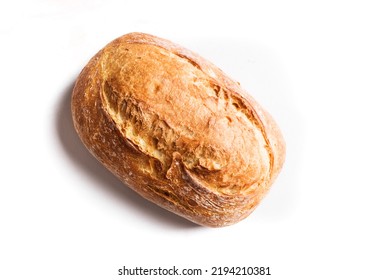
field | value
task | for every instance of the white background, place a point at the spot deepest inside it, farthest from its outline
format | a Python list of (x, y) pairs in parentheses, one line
[(320, 67)]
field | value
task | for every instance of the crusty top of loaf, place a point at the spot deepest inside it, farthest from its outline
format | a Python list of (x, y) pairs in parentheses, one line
[(175, 108)]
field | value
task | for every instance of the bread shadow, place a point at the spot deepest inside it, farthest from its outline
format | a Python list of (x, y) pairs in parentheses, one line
[(110, 184)]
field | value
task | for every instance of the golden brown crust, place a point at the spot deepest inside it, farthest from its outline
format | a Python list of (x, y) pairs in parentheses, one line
[(176, 129)]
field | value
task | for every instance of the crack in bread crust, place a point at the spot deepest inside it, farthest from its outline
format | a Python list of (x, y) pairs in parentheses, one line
[(156, 131)]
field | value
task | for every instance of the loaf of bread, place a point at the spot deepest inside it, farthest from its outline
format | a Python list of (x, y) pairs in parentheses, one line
[(176, 129)]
